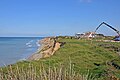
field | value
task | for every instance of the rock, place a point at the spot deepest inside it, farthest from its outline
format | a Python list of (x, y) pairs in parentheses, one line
[(48, 47), (35, 57)]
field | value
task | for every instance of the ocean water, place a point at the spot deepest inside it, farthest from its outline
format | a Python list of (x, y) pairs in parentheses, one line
[(14, 49)]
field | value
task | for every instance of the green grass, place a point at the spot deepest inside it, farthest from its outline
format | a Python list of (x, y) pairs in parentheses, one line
[(85, 55)]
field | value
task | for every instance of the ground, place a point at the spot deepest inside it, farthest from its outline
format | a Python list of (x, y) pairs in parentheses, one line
[(86, 56)]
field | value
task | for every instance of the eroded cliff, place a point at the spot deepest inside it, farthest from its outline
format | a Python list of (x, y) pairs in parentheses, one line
[(48, 47)]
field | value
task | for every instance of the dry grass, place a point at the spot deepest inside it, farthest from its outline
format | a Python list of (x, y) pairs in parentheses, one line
[(42, 73)]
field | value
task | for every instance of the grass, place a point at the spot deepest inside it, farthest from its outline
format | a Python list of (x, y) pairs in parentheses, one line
[(87, 57), (41, 72)]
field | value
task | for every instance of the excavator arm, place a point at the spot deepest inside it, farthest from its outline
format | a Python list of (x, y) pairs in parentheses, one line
[(109, 27)]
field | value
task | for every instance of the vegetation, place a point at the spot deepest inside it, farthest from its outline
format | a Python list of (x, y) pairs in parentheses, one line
[(76, 60), (41, 72)]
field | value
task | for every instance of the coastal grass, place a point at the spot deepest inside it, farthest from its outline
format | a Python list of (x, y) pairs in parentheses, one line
[(76, 60), (41, 72), (87, 55)]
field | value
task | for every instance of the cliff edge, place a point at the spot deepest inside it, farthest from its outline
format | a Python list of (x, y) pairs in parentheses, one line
[(48, 47)]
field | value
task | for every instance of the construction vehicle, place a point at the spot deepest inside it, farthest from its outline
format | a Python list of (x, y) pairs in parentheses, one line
[(117, 38)]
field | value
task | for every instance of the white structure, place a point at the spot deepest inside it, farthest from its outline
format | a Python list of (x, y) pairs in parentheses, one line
[(89, 34), (85, 35)]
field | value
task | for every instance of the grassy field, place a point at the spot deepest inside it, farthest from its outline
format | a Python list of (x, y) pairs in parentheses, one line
[(78, 59)]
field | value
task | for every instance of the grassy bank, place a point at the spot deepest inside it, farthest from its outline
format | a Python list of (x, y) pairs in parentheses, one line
[(76, 57)]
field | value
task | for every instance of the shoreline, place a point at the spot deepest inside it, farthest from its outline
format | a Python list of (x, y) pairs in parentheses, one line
[(17, 49), (48, 47)]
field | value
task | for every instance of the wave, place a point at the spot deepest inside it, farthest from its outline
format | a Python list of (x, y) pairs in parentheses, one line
[(38, 43), (29, 45)]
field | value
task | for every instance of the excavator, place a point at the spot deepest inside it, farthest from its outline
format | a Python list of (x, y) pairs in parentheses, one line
[(117, 38)]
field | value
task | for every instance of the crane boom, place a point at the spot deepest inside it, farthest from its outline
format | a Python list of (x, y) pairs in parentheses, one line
[(108, 26)]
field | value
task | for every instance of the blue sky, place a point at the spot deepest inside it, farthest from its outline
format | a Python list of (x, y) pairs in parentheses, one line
[(57, 17)]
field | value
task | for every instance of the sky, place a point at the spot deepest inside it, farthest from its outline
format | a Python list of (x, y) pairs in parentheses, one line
[(57, 17)]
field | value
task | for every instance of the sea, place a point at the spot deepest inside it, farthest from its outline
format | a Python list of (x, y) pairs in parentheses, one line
[(15, 49)]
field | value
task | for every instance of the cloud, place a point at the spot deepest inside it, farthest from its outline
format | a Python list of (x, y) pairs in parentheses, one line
[(87, 1)]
